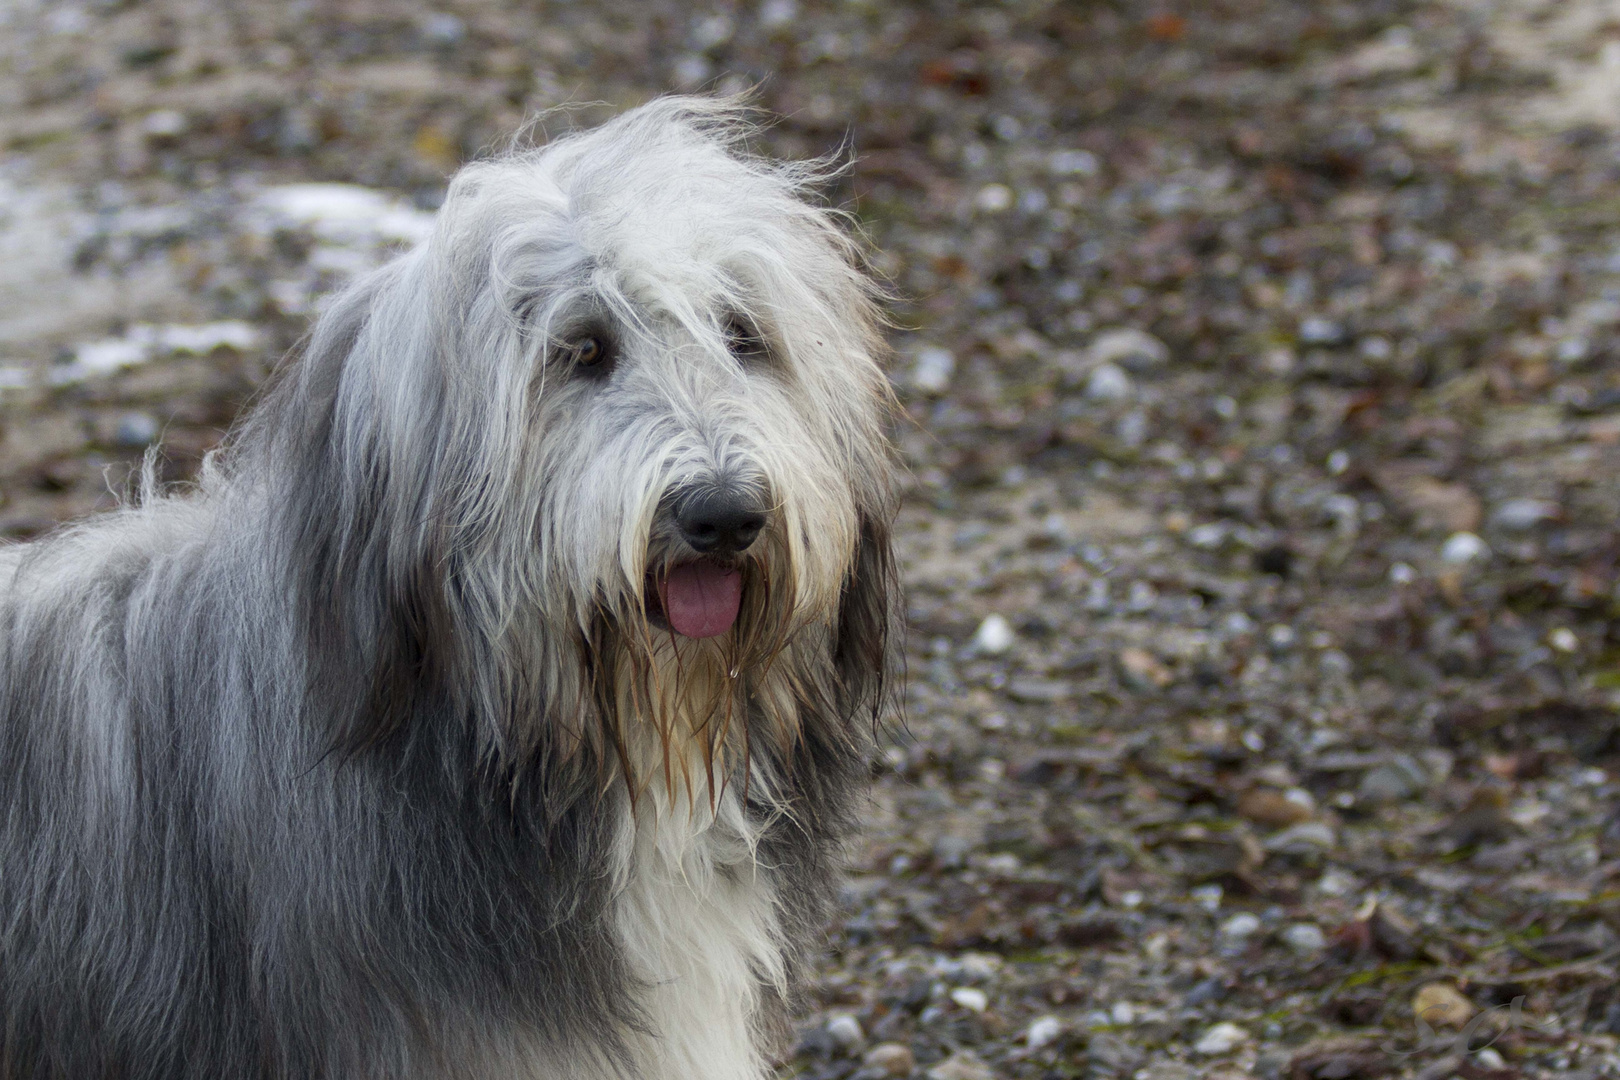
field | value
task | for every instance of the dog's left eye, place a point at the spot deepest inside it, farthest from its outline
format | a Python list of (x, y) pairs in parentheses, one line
[(744, 341)]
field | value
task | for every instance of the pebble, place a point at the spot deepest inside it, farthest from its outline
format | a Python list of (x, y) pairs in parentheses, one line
[(994, 636), (1129, 348), (1463, 547), (846, 1031), (994, 198), (1222, 1038), (1442, 1005), (933, 369), (962, 1065), (135, 430), (1242, 925), (1320, 331), (1399, 779), (1108, 382), (1043, 1032), (1142, 669), (1205, 993), (890, 1059), (1305, 938), (1274, 808), (1521, 515), (1305, 838), (971, 998)]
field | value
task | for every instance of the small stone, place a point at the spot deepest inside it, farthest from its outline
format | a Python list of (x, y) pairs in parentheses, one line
[(1306, 838), (1319, 331), (994, 198), (933, 369), (1108, 382), (1043, 1032), (1122, 1013), (1489, 1059), (994, 636), (774, 14), (962, 1065), (951, 851), (164, 124), (442, 28), (1264, 806), (1442, 1005), (1564, 640), (1073, 163), (1397, 780), (1463, 547), (1142, 669), (134, 431), (1242, 925), (890, 1059), (1205, 993), (971, 998), (1521, 515), (846, 1032), (1223, 1038), (1305, 938), (1135, 350)]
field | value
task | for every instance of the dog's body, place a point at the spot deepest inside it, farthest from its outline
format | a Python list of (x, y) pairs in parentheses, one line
[(495, 705)]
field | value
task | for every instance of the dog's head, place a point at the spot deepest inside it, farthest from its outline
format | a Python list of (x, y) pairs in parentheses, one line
[(611, 448)]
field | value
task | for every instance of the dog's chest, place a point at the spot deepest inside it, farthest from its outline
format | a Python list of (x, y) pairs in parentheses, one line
[(697, 920)]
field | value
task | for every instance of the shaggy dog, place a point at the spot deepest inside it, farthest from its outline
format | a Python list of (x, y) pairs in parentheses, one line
[(496, 703)]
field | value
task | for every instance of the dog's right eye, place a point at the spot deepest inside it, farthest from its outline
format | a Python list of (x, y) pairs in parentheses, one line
[(589, 351)]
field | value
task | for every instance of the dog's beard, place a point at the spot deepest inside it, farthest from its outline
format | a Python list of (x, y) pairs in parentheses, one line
[(682, 712)]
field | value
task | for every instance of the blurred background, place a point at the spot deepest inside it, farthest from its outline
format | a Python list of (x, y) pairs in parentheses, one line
[(1263, 447)]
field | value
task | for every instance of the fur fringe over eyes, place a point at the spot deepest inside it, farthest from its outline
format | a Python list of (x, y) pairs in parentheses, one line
[(382, 753)]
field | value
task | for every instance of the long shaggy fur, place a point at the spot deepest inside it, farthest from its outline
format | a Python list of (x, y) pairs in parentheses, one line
[(371, 758)]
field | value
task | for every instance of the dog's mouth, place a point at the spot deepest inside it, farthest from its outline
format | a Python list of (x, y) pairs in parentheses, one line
[(696, 599)]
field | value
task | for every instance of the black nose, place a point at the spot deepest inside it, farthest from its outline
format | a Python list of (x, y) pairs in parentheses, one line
[(719, 522)]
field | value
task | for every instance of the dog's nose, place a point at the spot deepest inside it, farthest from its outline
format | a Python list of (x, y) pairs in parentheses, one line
[(720, 522)]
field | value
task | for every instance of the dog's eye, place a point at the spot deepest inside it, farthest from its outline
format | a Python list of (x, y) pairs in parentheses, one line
[(586, 351), (745, 342)]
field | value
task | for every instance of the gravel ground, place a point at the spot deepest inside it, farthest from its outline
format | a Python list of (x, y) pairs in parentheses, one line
[(1264, 702)]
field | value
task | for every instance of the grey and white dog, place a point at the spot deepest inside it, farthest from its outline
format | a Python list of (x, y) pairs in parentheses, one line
[(497, 701)]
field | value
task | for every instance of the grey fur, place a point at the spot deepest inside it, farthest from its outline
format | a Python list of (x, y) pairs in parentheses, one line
[(363, 758)]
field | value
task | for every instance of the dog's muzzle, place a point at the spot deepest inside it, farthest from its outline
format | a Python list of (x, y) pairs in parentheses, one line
[(700, 598)]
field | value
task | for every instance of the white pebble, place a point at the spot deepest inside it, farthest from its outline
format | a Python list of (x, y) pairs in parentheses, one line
[(1130, 347), (933, 370), (1043, 1032), (1108, 382), (1223, 1038), (1304, 938), (846, 1031), (994, 636), (971, 999), (994, 198), (1402, 574), (1519, 515), (1564, 640), (1122, 1013), (1241, 925), (1463, 547)]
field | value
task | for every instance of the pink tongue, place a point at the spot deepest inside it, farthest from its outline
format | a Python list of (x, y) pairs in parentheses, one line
[(701, 599)]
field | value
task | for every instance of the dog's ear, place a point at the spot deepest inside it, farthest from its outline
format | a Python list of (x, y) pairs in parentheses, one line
[(869, 630), (366, 573)]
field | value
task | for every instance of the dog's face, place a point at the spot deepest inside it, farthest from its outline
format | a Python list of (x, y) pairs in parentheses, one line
[(661, 484)]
